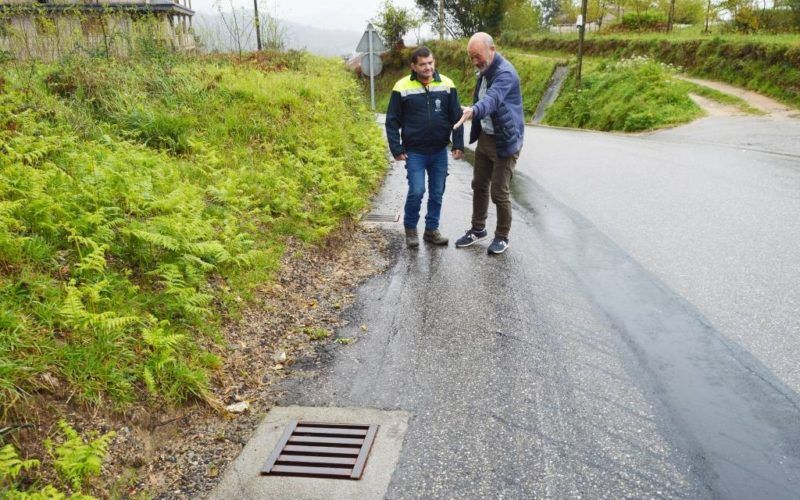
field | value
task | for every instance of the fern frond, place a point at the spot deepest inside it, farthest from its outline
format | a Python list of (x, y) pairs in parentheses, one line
[(213, 249), (247, 259), (195, 311), (113, 323), (11, 465), (200, 263), (94, 261), (149, 380), (72, 309), (82, 241), (160, 240)]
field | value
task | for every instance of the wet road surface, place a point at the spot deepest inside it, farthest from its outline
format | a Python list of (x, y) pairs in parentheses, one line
[(638, 338)]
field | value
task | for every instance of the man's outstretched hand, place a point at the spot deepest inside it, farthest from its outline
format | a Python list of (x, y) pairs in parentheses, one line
[(401, 157), (466, 115), (457, 154)]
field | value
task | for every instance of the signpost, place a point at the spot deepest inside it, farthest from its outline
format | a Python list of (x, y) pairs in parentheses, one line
[(371, 63)]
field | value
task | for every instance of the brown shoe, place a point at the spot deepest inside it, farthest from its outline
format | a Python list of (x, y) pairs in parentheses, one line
[(412, 240), (434, 237)]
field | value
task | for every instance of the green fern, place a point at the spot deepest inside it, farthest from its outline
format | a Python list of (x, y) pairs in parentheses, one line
[(11, 466), (77, 460), (94, 261), (212, 249), (103, 236), (159, 240), (149, 380)]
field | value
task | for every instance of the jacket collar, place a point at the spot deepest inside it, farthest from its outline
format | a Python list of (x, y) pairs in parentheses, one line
[(436, 77), (490, 71)]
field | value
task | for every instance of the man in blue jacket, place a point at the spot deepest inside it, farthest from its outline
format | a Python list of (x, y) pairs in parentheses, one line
[(498, 126), (424, 106)]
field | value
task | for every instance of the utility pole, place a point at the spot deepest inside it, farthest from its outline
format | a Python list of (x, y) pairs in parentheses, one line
[(441, 19), (258, 25), (671, 16), (581, 32)]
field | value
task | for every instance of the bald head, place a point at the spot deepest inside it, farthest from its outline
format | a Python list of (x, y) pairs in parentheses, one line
[(481, 38), (481, 50)]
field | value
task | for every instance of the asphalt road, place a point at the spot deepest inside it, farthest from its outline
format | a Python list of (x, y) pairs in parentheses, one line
[(638, 339)]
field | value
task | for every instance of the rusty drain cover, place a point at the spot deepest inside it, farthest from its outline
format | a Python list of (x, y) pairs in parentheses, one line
[(314, 449)]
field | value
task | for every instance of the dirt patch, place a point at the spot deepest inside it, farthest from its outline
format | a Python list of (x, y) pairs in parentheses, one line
[(714, 108), (182, 452), (762, 103)]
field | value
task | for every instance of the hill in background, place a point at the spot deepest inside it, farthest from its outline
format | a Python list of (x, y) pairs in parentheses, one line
[(217, 37)]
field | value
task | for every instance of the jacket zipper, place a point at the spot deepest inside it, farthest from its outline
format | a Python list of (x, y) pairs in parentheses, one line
[(428, 107)]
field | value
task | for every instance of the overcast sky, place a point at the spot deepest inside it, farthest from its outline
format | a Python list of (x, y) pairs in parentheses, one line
[(328, 14)]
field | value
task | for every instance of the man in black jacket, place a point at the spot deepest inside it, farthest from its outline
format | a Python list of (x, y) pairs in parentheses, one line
[(422, 110)]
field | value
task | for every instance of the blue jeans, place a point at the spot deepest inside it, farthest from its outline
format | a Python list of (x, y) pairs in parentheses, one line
[(417, 165)]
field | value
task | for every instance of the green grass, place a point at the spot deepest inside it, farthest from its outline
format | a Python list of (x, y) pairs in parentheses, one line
[(629, 95), (693, 32), (142, 202), (534, 74), (720, 97), (768, 64)]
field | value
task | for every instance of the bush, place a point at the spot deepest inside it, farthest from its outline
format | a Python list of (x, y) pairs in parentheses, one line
[(630, 95), (648, 20)]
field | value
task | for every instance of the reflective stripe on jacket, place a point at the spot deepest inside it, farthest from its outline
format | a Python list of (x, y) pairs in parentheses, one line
[(420, 119)]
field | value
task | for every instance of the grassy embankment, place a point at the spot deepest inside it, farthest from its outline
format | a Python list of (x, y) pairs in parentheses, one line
[(632, 95), (766, 64), (141, 203)]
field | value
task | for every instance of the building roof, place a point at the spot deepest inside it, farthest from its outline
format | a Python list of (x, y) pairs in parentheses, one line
[(143, 6)]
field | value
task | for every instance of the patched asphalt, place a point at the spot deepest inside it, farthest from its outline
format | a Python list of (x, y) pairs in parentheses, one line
[(609, 352)]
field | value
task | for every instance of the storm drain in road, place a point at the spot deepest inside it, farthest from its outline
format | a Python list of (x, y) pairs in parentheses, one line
[(381, 217), (314, 449)]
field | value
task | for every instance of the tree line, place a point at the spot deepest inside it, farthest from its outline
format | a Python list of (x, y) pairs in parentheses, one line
[(464, 17)]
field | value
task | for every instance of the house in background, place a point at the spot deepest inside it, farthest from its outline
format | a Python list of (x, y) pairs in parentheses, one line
[(52, 29)]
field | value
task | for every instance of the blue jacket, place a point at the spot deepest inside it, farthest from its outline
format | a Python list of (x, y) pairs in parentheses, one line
[(503, 103), (426, 116)]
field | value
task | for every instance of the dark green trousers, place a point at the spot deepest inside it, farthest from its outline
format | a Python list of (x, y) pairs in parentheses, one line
[(491, 178)]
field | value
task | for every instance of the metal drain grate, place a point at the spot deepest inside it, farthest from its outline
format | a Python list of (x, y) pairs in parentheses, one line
[(381, 217), (313, 449)]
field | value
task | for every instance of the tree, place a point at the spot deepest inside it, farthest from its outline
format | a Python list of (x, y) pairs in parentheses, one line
[(521, 16), (273, 33), (394, 22), (685, 11), (794, 7), (597, 10), (549, 9), (711, 14), (238, 25), (466, 17), (568, 11), (744, 14)]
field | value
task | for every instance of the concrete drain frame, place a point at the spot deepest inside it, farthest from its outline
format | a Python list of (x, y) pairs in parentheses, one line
[(325, 450), (381, 217)]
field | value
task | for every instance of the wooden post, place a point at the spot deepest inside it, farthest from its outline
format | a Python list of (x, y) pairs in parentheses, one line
[(258, 25), (581, 34), (441, 19)]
